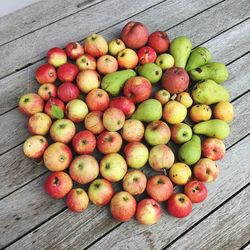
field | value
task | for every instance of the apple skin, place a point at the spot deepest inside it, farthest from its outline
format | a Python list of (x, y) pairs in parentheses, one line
[(165, 61), (39, 124), (127, 59), (213, 149), (185, 99), (87, 80), (196, 191), (146, 54), (115, 46), (157, 132), (84, 142), (57, 156), (136, 154), (123, 103), (67, 91), (113, 119), (30, 104), (148, 211), (84, 169), (132, 130), (181, 133), (175, 80), (85, 62), (93, 122), (138, 89), (77, 200), (74, 50), (113, 167), (56, 57), (109, 142), (76, 110), (206, 170), (134, 182), (62, 130), (107, 64), (47, 91), (134, 35), (58, 184), (35, 146), (46, 73), (163, 96), (100, 192), (67, 72), (159, 41), (161, 157), (180, 173), (97, 100), (179, 205), (160, 188), (48, 106)]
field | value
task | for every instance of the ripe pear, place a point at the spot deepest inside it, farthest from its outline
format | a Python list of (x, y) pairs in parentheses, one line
[(114, 82), (213, 128), (180, 49), (148, 111), (151, 71), (209, 92), (215, 71)]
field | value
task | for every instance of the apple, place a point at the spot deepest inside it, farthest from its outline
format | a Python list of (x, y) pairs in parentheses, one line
[(161, 157), (68, 91), (107, 64), (179, 205), (213, 149), (181, 133), (134, 35), (162, 96), (113, 167), (93, 122), (157, 132), (175, 80), (84, 169), (97, 100), (67, 72), (30, 104), (62, 130), (76, 110), (146, 54), (35, 146), (54, 102), (77, 200), (58, 184), (95, 45), (206, 170), (57, 156), (86, 62), (160, 188), (134, 182), (185, 99), (136, 154), (138, 89), (123, 103), (113, 119), (180, 173), (148, 211), (39, 124), (127, 59), (87, 80), (100, 192), (165, 61), (196, 191), (57, 57), (46, 73), (47, 91), (115, 46), (84, 142), (159, 41), (109, 142), (74, 50), (224, 111), (132, 130), (123, 206)]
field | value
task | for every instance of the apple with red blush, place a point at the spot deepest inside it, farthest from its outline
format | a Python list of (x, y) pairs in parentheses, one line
[(132, 130), (76, 110), (127, 59), (109, 142), (54, 102), (97, 100), (77, 200), (56, 57), (47, 91), (146, 54), (86, 62), (88, 80), (162, 95), (39, 124), (46, 73), (93, 122), (74, 50), (67, 72), (107, 64), (159, 41), (196, 191), (113, 119), (123, 103), (213, 148), (30, 104)]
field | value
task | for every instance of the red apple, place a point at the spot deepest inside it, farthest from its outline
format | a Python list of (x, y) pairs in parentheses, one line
[(196, 191), (76, 110), (132, 130), (123, 103), (77, 200), (86, 62), (127, 59), (213, 149), (47, 90), (30, 104), (113, 119), (46, 73), (109, 142), (57, 57), (67, 72), (39, 124), (87, 80), (162, 96), (93, 122), (97, 100), (68, 91), (52, 103), (159, 41), (146, 54), (107, 64), (74, 50)]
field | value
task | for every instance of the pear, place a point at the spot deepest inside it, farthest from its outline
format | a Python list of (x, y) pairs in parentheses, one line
[(151, 71), (180, 49), (209, 92), (148, 111), (114, 82), (190, 151), (215, 71), (198, 57), (213, 128)]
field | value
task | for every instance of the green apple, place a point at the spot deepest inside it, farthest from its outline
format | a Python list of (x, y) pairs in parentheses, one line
[(181, 133), (165, 61)]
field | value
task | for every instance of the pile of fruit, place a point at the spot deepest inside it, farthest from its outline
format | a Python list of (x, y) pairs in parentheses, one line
[(132, 103)]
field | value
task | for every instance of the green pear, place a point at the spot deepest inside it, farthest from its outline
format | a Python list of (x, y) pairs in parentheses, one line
[(180, 49), (209, 92), (114, 82), (198, 57), (148, 111), (151, 71), (215, 71), (213, 128), (190, 151)]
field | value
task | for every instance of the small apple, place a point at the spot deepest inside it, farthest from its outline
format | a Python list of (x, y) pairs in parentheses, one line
[(113, 119), (46, 73), (115, 46), (39, 124), (76, 110), (159, 41), (67, 91), (86, 62), (30, 104), (67, 72), (109, 142), (57, 57), (200, 112), (107, 64), (224, 111), (132, 130), (93, 122), (174, 112), (77, 200), (47, 91), (180, 173), (123, 103), (146, 54), (127, 59), (87, 80), (196, 191), (162, 96), (213, 149), (50, 106), (185, 99), (97, 100), (181, 133), (165, 61), (74, 50)]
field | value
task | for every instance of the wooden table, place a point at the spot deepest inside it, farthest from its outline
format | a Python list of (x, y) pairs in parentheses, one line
[(29, 219)]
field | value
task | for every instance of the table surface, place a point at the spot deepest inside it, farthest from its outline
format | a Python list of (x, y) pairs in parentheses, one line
[(29, 218)]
